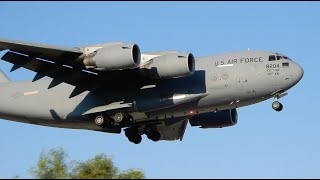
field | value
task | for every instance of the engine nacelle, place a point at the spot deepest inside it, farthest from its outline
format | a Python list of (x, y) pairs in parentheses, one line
[(215, 120), (170, 66), (121, 56)]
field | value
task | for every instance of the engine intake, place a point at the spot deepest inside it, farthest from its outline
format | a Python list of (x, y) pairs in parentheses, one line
[(219, 119), (170, 66), (121, 56)]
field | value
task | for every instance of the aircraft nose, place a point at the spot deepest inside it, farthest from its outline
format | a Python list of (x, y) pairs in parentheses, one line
[(298, 72)]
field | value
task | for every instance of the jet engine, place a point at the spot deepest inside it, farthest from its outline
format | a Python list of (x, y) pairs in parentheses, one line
[(120, 56), (170, 66), (215, 119)]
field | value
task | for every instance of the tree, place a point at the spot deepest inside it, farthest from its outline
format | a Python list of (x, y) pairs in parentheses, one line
[(131, 174), (53, 166), (100, 167)]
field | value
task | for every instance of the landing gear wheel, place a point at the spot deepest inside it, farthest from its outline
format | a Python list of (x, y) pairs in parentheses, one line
[(154, 136), (135, 139), (130, 118), (100, 121), (276, 105), (133, 135), (118, 117)]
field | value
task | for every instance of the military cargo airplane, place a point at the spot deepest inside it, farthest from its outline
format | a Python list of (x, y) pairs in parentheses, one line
[(113, 86)]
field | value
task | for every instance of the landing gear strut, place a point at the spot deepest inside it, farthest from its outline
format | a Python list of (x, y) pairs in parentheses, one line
[(133, 135), (276, 105)]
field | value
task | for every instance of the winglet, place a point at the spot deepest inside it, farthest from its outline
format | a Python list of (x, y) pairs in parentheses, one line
[(3, 78)]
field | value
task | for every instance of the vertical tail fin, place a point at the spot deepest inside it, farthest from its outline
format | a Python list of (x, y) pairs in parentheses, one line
[(3, 78)]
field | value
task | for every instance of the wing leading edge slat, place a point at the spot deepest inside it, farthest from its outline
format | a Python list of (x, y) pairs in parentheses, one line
[(61, 54)]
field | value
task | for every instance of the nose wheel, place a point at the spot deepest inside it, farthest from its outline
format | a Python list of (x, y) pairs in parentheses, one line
[(276, 105)]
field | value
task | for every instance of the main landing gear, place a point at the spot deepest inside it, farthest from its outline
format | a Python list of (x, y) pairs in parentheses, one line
[(102, 121), (119, 118), (134, 136), (123, 119), (152, 134)]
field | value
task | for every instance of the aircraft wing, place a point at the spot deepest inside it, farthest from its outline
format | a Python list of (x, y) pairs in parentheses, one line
[(62, 64), (58, 54)]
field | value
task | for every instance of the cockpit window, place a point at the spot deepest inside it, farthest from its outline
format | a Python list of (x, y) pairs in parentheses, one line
[(285, 65), (272, 58), (285, 57), (278, 57)]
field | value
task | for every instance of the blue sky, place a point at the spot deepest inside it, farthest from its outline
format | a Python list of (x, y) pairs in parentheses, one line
[(264, 143)]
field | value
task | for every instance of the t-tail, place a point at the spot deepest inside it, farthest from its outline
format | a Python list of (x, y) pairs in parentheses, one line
[(3, 78)]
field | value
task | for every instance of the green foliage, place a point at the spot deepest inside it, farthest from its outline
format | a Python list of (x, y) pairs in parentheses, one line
[(53, 166), (131, 174), (100, 167)]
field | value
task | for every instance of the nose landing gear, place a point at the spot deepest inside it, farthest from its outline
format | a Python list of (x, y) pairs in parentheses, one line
[(276, 105)]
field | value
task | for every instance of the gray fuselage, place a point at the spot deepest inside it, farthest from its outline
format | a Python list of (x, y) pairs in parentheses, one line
[(225, 81)]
